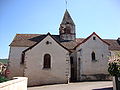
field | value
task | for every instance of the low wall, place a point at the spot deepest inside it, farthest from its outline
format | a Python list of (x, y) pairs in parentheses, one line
[(114, 84), (96, 77), (18, 83)]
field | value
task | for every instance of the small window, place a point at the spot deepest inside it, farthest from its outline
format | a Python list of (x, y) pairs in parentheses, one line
[(22, 58), (94, 38), (47, 61), (93, 56), (71, 60), (47, 42), (67, 22), (109, 53), (102, 55), (80, 51), (67, 30)]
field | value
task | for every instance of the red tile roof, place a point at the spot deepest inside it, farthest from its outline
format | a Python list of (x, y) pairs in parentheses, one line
[(27, 40), (23, 40), (114, 45)]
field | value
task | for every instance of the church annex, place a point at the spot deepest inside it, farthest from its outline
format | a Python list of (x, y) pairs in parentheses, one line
[(49, 59)]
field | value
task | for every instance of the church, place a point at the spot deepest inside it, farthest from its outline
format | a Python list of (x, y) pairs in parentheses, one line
[(50, 59)]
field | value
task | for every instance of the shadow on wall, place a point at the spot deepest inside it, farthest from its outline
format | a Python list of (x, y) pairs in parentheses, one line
[(110, 88)]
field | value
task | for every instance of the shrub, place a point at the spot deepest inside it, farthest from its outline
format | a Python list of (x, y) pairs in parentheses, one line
[(3, 69), (114, 65), (3, 79)]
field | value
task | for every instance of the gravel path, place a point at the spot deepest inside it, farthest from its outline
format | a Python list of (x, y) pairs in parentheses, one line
[(96, 85)]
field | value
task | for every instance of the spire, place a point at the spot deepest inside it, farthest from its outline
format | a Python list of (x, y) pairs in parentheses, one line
[(67, 18), (66, 3), (67, 28)]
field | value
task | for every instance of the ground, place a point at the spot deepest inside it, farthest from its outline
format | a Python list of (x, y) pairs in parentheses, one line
[(96, 85)]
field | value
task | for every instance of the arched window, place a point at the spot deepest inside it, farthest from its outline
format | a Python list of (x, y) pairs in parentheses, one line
[(47, 61), (93, 56), (67, 30)]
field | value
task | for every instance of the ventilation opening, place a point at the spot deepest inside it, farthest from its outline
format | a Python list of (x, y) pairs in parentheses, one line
[(94, 38)]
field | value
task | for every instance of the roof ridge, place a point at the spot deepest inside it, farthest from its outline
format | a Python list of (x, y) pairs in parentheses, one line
[(90, 37), (109, 39), (30, 34), (35, 34)]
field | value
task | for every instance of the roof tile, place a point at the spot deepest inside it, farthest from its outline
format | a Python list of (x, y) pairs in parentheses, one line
[(27, 40)]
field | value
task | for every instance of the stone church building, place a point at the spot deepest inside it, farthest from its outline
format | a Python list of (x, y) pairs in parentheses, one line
[(49, 59)]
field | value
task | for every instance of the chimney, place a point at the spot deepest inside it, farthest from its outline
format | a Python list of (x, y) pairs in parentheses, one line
[(118, 40)]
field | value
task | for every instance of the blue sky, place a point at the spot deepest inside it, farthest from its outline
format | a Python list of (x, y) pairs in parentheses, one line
[(42, 16)]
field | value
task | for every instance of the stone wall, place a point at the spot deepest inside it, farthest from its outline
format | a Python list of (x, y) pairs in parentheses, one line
[(15, 68), (87, 66), (95, 77), (34, 59)]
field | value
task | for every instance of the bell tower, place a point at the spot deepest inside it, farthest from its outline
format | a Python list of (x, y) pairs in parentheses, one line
[(67, 28)]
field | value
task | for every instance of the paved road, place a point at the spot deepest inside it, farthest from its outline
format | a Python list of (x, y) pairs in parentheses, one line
[(97, 85)]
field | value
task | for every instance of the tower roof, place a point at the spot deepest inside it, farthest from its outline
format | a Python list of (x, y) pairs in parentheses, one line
[(67, 18)]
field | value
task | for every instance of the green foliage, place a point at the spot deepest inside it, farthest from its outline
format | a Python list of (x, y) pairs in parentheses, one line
[(3, 69), (114, 64), (3, 79), (114, 69)]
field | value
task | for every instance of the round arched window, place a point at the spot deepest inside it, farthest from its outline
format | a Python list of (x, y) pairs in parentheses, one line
[(47, 61)]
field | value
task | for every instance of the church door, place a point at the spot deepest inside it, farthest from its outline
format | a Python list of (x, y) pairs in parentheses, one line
[(72, 79)]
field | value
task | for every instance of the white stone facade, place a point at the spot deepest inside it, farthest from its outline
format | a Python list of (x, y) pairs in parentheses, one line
[(15, 68), (85, 66), (59, 71)]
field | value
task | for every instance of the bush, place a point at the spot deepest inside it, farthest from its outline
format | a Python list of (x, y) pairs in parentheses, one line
[(3, 79), (114, 65), (114, 69), (3, 69)]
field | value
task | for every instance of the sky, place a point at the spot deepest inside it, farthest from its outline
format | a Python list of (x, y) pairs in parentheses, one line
[(43, 16)]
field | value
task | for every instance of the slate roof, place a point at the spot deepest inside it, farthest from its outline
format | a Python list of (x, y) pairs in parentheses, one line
[(67, 18), (27, 40)]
